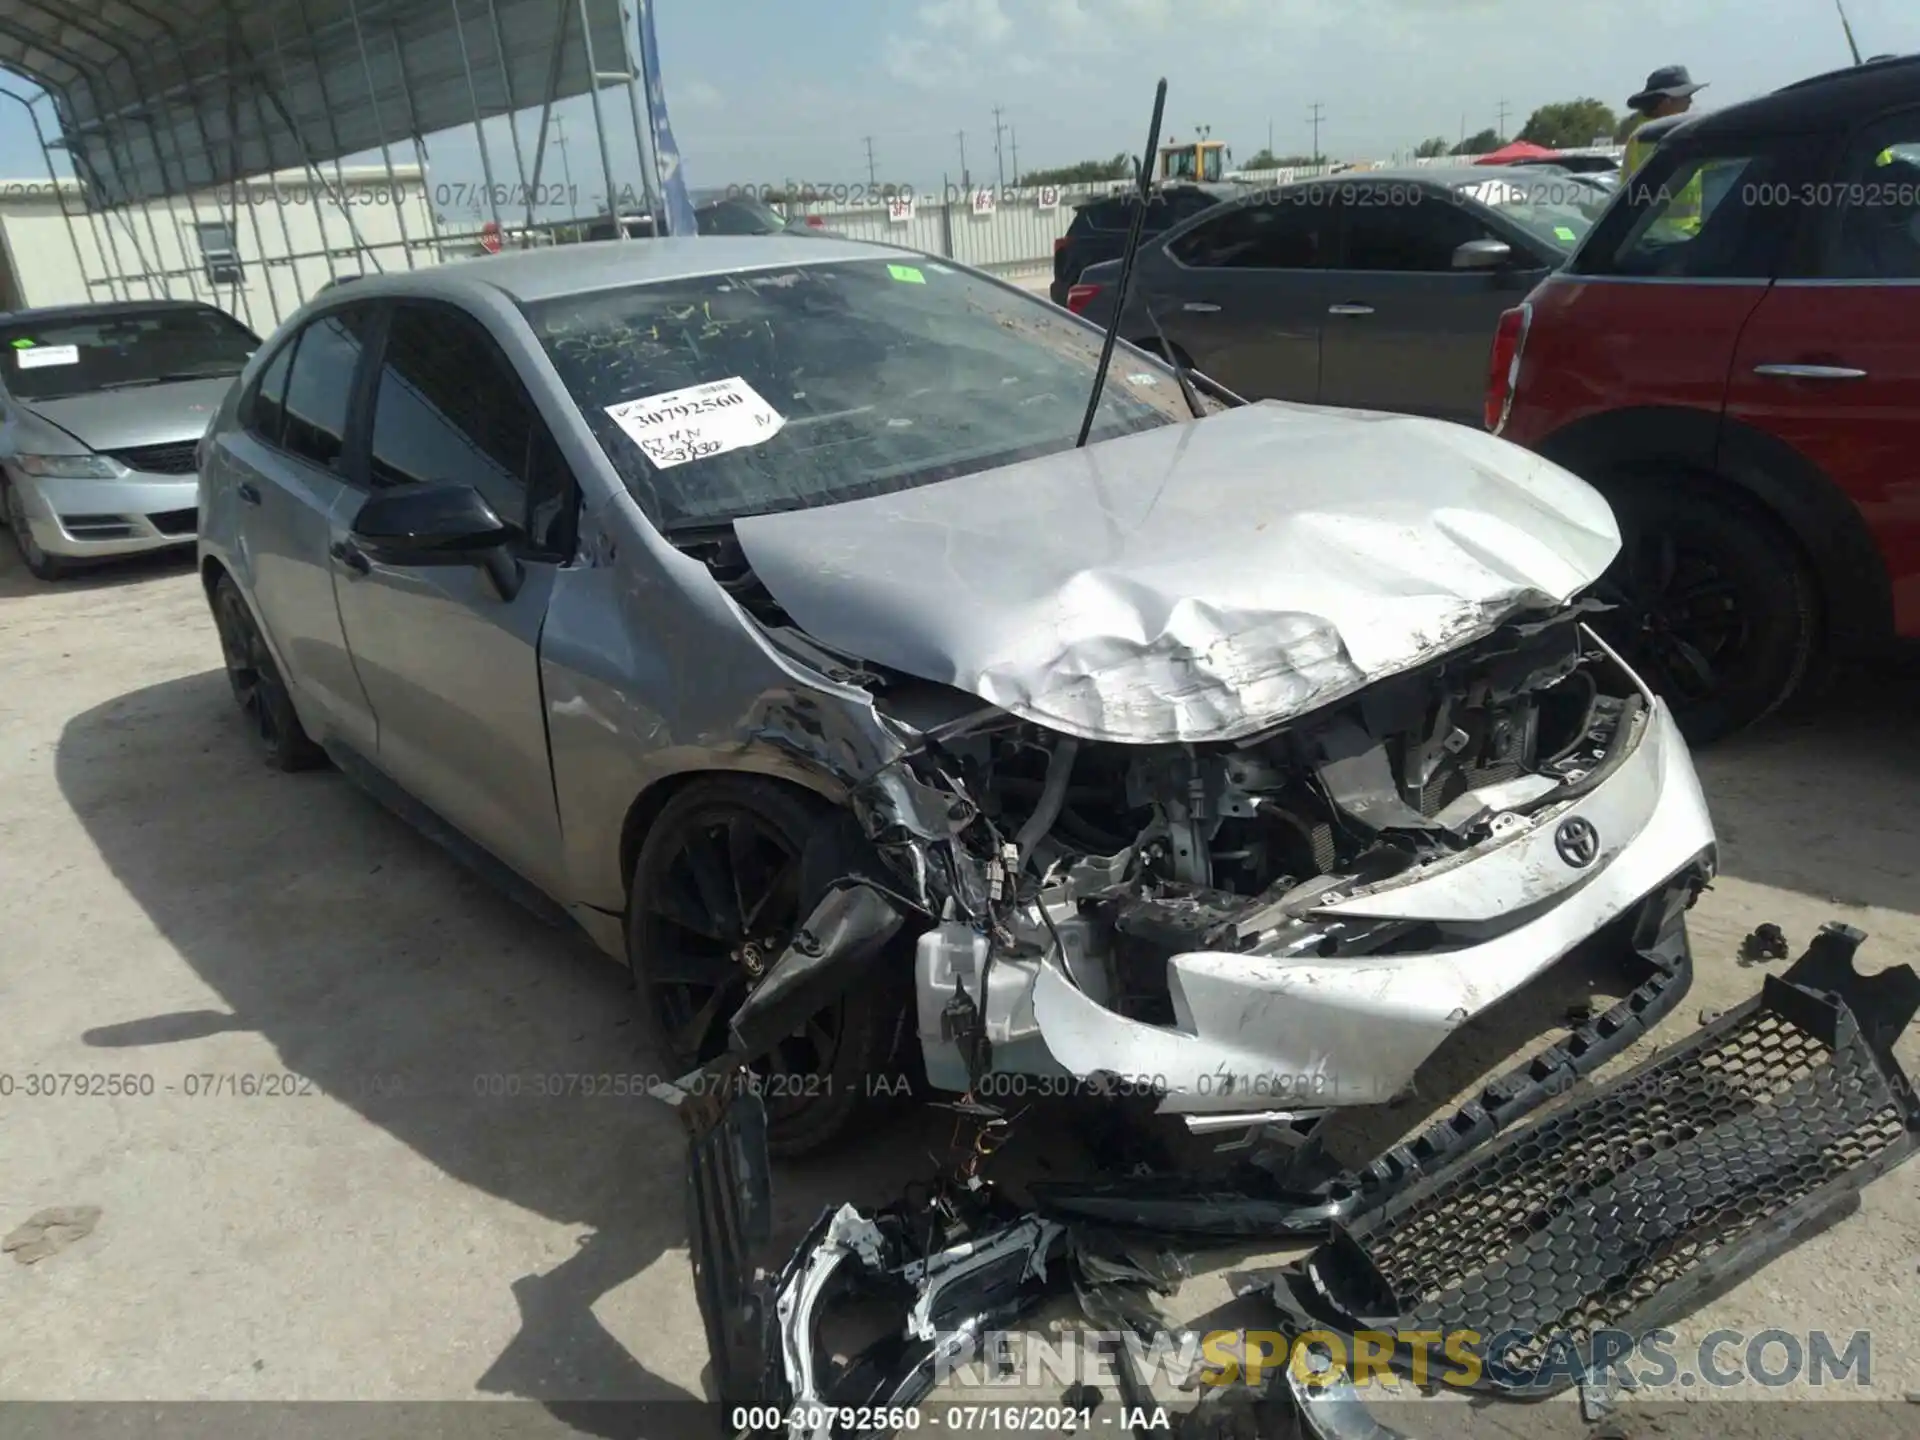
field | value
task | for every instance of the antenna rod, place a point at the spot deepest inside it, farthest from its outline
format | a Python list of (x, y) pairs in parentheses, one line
[(1849, 29), (1126, 262)]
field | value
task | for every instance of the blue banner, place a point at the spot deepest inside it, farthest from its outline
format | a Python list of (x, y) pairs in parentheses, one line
[(666, 154)]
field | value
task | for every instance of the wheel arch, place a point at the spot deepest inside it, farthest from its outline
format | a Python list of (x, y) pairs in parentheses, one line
[(1825, 526)]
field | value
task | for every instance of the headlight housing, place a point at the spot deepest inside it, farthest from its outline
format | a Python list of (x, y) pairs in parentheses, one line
[(71, 467)]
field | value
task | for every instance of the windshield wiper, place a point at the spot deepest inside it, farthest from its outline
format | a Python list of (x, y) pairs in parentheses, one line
[(1172, 358)]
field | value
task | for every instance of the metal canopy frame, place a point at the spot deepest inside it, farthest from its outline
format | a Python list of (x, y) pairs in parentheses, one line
[(157, 102)]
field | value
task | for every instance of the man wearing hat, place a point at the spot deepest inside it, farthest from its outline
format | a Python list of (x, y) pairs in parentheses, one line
[(1668, 91)]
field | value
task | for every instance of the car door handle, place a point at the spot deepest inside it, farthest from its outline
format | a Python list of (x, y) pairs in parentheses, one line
[(1349, 310), (1811, 372), (247, 493), (349, 555), (1200, 307)]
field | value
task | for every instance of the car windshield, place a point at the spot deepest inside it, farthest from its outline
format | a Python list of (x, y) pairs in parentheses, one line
[(722, 396), (738, 215), (1557, 210), (121, 350)]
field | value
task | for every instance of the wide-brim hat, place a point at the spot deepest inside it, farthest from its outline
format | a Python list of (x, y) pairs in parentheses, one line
[(1669, 82)]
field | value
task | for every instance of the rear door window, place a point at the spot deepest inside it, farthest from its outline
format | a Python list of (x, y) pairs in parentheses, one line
[(320, 386), (1404, 228), (1874, 232), (1729, 210), (1294, 231), (266, 406)]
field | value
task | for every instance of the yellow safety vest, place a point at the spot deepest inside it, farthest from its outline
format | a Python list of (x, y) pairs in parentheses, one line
[(1682, 214)]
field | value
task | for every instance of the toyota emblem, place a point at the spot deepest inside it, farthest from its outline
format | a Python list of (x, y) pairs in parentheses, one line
[(1578, 842)]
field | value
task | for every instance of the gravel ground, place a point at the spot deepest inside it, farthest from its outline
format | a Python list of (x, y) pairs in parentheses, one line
[(315, 1188)]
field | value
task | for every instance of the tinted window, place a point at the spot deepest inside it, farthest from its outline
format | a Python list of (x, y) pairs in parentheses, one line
[(1877, 230), (1164, 211), (827, 382), (321, 385), (1698, 214), (122, 350), (450, 409), (738, 216), (1403, 227), (1284, 234), (1556, 210), (266, 407)]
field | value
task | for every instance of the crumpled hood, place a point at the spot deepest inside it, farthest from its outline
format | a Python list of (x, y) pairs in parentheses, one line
[(1197, 582)]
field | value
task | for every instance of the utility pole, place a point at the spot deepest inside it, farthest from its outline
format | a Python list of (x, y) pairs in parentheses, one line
[(1000, 169), (966, 177), (1318, 110), (873, 180), (1013, 139), (1501, 129), (1270, 135)]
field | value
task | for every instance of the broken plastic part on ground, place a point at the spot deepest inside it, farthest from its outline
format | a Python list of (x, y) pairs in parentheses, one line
[(1646, 1194)]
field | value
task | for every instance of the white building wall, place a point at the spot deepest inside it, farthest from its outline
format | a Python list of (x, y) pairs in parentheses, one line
[(291, 235)]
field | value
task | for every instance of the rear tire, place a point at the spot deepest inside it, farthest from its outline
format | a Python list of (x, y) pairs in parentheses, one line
[(1719, 611), (257, 687)]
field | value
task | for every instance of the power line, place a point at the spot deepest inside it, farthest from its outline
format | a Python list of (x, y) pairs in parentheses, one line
[(1318, 111), (873, 180)]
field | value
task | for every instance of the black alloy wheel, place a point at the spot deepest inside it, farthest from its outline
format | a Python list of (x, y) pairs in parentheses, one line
[(257, 686), (715, 900), (1717, 612)]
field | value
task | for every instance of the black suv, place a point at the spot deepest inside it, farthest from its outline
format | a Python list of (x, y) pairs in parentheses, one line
[(1099, 228)]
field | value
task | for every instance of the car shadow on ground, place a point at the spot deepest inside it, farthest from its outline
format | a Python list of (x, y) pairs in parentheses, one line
[(16, 582), (1847, 769), (385, 973)]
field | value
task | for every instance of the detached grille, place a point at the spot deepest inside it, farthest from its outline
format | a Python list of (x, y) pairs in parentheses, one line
[(175, 458)]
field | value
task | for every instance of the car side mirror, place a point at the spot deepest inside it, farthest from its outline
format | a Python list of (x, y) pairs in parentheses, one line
[(432, 525), (1483, 255)]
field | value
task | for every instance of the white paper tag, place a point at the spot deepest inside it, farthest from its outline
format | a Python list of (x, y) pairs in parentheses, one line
[(696, 422), (39, 356)]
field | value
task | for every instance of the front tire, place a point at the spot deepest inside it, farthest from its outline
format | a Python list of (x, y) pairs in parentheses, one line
[(1718, 610), (39, 563), (715, 898), (257, 687)]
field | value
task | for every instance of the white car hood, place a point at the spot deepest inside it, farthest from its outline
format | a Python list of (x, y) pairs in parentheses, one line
[(1197, 582)]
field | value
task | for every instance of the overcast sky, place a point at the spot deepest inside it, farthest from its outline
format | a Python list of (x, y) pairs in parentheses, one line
[(766, 91)]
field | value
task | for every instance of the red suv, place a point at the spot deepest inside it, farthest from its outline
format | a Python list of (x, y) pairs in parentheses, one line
[(1733, 357)]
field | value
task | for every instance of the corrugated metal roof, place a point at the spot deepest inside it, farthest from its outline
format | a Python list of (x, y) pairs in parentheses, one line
[(157, 97)]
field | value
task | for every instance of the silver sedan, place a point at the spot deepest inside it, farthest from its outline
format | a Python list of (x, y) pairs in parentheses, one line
[(101, 412), (759, 606)]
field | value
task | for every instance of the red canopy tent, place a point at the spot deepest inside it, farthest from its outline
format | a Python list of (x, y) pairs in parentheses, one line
[(1517, 152)]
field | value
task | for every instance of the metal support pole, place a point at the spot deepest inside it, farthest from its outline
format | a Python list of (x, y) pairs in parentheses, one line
[(333, 133), (360, 247), (380, 127), (413, 125), (280, 208), (513, 106), (107, 41), (479, 128), (599, 122), (59, 194), (546, 105), (642, 132)]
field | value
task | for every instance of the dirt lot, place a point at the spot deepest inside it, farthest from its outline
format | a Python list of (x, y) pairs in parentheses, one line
[(378, 1220)]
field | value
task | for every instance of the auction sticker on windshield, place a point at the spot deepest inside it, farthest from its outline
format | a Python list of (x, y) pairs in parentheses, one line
[(43, 355), (681, 425)]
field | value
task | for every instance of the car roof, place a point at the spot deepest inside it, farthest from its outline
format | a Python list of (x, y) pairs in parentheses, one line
[(1821, 102), (1215, 189), (529, 276), (99, 310)]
